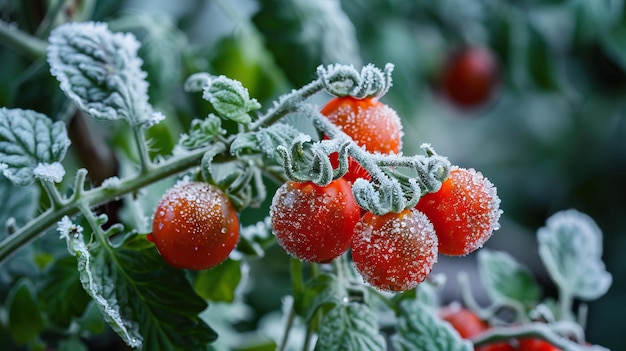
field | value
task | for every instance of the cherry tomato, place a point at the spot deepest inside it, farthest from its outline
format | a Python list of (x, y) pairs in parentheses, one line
[(396, 251), (470, 76), (497, 346), (463, 321), (195, 226), (314, 223), (530, 344), (370, 123), (464, 212)]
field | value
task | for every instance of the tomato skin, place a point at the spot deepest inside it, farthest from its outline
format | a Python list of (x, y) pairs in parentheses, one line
[(464, 211), (314, 223), (195, 226), (372, 125), (470, 76), (530, 344), (464, 321), (395, 251)]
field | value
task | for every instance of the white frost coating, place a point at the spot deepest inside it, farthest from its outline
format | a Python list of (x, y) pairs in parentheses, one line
[(111, 183), (49, 172), (100, 71), (157, 117), (72, 233), (570, 246)]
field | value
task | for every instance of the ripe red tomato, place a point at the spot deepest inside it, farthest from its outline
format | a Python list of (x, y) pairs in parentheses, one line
[(498, 346), (463, 321), (370, 123), (195, 226), (530, 344), (470, 76), (396, 251), (464, 212), (314, 223)]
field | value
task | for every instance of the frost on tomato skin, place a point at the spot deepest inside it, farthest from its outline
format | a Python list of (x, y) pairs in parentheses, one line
[(314, 223), (465, 211), (195, 226), (396, 251), (372, 125)]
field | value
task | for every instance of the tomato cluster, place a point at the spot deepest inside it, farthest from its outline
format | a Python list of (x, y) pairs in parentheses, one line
[(395, 251), (469, 325), (196, 227)]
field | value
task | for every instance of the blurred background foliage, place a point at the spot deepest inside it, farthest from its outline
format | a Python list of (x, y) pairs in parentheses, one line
[(551, 136)]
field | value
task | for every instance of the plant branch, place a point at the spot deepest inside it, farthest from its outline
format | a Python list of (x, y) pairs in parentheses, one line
[(22, 42), (94, 197)]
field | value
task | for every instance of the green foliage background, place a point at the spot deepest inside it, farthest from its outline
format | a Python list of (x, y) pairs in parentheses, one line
[(553, 137)]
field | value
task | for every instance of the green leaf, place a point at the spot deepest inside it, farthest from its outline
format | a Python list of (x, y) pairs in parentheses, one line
[(321, 291), (31, 146), (303, 34), (350, 326), (506, 279), (72, 344), (19, 205), (148, 303), (62, 292), (230, 99), (101, 72), (202, 132), (219, 283), (570, 246), (419, 328), (265, 140), (24, 315)]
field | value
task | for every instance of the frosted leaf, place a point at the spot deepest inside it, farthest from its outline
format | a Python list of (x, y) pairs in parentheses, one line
[(101, 72), (230, 99), (419, 328), (49, 172), (352, 326), (27, 140), (95, 284), (570, 246), (202, 132), (506, 279), (265, 140)]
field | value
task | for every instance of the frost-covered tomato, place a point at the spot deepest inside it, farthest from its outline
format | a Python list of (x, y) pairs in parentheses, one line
[(195, 226), (464, 212), (372, 124), (314, 223), (396, 251)]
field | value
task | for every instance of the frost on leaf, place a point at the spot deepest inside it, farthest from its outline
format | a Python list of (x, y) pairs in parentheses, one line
[(94, 281), (570, 246), (101, 72), (265, 140), (507, 279), (31, 146), (230, 99), (419, 328), (350, 326)]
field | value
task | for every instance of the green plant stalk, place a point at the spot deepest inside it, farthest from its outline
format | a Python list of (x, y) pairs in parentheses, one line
[(94, 197), (22, 42)]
